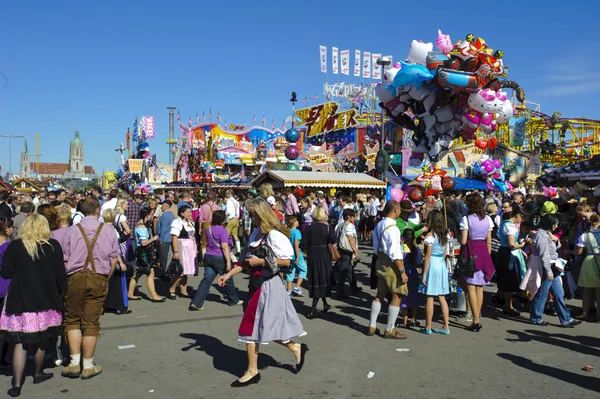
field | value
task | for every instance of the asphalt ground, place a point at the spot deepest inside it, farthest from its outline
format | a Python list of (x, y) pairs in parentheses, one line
[(183, 354)]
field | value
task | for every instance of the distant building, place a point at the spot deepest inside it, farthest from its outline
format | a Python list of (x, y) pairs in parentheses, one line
[(74, 170)]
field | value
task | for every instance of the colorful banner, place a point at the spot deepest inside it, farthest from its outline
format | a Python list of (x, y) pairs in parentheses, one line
[(148, 126), (366, 65), (323, 57), (356, 62), (345, 60), (334, 60), (376, 67), (324, 118), (135, 165)]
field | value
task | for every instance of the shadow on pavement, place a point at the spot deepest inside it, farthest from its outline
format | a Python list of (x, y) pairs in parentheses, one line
[(589, 383), (227, 358), (554, 339)]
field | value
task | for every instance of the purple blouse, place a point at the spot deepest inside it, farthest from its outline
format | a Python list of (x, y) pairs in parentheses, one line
[(4, 283), (220, 235)]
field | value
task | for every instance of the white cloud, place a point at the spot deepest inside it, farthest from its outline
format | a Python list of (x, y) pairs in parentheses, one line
[(577, 87), (574, 74)]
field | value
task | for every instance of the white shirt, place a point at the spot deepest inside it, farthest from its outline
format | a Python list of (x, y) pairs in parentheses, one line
[(464, 225), (233, 208), (373, 207), (110, 204), (279, 243), (415, 218), (341, 217), (509, 229), (390, 241), (177, 225), (582, 240), (350, 230)]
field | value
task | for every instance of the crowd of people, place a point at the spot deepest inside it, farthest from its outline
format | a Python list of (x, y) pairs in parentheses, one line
[(66, 258)]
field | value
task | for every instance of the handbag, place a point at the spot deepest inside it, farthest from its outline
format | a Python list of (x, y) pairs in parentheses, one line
[(334, 253), (175, 268), (465, 265), (495, 240), (120, 230)]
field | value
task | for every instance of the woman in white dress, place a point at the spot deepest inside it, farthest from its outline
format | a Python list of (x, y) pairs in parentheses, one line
[(270, 314), (184, 250)]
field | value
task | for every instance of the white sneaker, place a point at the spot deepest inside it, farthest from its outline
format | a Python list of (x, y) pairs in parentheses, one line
[(298, 291)]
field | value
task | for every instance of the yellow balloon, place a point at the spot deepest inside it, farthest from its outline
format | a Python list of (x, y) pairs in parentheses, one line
[(332, 192)]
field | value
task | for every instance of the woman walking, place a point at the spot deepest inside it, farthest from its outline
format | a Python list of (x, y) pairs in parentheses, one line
[(217, 261), (511, 265), (435, 272), (144, 256), (32, 312), (184, 250), (476, 233), (316, 238), (270, 314), (117, 301), (544, 274)]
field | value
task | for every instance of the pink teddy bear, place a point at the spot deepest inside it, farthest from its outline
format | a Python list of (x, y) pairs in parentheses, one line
[(443, 43)]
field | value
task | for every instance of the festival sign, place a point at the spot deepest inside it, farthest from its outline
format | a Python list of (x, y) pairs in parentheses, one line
[(345, 60), (135, 165), (324, 118)]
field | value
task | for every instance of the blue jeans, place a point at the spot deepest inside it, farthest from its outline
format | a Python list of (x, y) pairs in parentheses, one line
[(539, 301), (213, 266)]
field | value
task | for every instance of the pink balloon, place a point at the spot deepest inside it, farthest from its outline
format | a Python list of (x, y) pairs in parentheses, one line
[(497, 163), (488, 166), (396, 194)]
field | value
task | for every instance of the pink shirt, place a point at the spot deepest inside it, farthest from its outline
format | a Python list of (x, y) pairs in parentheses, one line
[(106, 248), (60, 235), (291, 206), (205, 214)]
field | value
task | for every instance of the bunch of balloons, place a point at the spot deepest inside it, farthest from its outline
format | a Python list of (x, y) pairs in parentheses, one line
[(491, 171), (292, 152), (431, 181), (442, 95)]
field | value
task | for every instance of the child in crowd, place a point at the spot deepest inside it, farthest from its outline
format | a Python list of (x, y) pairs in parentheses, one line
[(298, 264), (413, 263)]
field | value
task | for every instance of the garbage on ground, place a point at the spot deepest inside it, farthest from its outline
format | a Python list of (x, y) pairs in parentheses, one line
[(126, 346), (371, 374)]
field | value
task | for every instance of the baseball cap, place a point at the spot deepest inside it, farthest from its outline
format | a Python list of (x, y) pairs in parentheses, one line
[(271, 200), (167, 202), (419, 203)]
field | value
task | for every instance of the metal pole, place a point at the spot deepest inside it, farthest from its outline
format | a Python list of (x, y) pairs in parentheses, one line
[(10, 137)]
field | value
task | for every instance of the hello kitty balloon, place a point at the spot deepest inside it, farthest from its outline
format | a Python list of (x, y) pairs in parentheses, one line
[(418, 52)]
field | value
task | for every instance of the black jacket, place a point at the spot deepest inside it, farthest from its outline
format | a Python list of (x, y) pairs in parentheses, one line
[(35, 285)]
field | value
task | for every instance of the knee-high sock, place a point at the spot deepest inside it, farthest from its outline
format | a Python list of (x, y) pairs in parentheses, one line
[(375, 309), (392, 316)]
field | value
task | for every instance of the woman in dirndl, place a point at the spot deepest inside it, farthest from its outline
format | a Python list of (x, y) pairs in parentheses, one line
[(32, 315), (184, 249), (117, 300), (270, 314), (476, 232), (511, 266), (589, 276)]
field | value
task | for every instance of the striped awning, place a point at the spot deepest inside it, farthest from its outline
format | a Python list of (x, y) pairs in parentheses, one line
[(588, 170), (279, 179)]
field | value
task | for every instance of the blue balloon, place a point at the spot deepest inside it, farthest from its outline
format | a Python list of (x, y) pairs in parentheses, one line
[(411, 74), (388, 193), (292, 135)]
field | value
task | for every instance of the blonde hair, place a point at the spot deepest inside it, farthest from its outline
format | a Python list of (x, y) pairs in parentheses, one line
[(63, 213), (119, 207), (266, 190), (319, 214), (268, 220), (151, 201), (109, 216), (491, 209), (34, 232)]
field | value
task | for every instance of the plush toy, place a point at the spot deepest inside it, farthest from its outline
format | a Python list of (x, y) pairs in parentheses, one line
[(418, 52)]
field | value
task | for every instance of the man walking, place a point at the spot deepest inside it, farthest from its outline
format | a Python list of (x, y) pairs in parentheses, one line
[(391, 278), (27, 208), (345, 233), (91, 251), (205, 219), (163, 230), (233, 222), (291, 203)]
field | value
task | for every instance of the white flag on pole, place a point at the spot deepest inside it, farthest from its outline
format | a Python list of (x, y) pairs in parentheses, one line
[(323, 54), (376, 68), (345, 60), (366, 65), (356, 62), (334, 60)]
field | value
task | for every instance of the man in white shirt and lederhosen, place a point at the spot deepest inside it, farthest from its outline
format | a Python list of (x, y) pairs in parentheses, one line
[(391, 277), (233, 223)]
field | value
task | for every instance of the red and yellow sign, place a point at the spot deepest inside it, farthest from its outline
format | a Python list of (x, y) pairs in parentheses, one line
[(325, 118), (135, 165)]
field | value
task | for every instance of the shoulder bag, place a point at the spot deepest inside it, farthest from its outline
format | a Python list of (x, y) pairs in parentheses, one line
[(333, 251), (465, 266), (342, 239)]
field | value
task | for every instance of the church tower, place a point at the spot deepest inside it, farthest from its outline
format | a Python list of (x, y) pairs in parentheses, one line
[(76, 155), (25, 169)]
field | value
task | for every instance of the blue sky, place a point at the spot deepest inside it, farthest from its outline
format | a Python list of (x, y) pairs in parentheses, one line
[(102, 63)]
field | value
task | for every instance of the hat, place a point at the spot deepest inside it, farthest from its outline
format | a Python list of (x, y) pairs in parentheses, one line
[(167, 202), (271, 200), (419, 203), (549, 207)]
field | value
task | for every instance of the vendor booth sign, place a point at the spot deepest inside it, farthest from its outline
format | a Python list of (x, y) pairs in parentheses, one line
[(325, 117)]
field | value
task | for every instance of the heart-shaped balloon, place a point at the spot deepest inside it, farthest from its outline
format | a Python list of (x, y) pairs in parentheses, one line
[(493, 143), (482, 144)]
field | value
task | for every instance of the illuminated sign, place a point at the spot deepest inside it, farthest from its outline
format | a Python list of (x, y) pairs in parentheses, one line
[(324, 118)]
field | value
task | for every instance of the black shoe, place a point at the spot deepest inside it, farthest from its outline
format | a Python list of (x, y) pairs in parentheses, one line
[(119, 312), (14, 391), (573, 324), (311, 316), (158, 300), (38, 379), (303, 350), (239, 384), (135, 298), (326, 308), (474, 327), (171, 296)]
